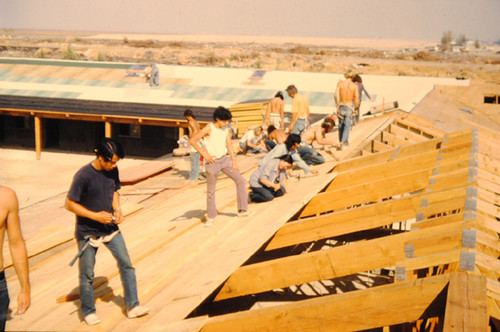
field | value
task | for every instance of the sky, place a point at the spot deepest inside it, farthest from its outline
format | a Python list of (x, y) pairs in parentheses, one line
[(373, 19)]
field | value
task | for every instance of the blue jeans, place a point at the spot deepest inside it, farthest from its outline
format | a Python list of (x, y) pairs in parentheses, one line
[(4, 301), (127, 273), (310, 156), (195, 165), (298, 127), (154, 79), (345, 120)]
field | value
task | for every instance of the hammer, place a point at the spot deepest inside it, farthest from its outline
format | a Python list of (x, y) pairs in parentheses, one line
[(80, 253)]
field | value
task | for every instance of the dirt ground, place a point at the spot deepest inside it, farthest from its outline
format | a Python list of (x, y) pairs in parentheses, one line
[(374, 57)]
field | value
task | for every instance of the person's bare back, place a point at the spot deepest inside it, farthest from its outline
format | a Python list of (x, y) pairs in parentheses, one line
[(347, 93), (312, 134), (278, 135)]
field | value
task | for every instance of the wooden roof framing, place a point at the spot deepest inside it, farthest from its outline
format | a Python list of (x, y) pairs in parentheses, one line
[(446, 188), (418, 218)]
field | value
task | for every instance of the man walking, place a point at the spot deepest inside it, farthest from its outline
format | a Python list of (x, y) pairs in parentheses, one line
[(93, 198)]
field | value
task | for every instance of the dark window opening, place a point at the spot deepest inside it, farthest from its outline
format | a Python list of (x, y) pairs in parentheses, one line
[(129, 130), (491, 99)]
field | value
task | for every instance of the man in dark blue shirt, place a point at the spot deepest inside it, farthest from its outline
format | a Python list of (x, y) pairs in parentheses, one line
[(93, 198)]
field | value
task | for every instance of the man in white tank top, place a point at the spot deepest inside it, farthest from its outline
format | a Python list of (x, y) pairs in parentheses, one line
[(217, 145)]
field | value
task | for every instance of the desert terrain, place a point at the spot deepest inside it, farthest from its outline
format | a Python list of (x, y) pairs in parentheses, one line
[(366, 56)]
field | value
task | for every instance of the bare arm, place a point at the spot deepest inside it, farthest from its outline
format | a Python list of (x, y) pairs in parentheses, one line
[(336, 96), (18, 251), (194, 143), (117, 211), (103, 217), (282, 115)]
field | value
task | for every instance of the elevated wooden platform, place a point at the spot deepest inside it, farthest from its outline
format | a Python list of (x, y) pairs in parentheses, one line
[(402, 233)]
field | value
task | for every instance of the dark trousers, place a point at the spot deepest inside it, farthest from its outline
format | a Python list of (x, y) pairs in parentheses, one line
[(265, 194), (4, 301)]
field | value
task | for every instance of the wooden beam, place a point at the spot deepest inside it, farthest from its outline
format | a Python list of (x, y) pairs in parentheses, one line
[(342, 260), (38, 137), (375, 307), (365, 217), (373, 191), (466, 304), (108, 132)]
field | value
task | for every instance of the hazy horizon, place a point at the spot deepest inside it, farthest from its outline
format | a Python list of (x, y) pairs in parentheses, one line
[(359, 19)]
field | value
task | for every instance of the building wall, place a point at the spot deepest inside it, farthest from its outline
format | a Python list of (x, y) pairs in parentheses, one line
[(81, 136)]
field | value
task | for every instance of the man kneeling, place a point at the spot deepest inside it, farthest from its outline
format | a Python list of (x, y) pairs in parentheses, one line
[(267, 182)]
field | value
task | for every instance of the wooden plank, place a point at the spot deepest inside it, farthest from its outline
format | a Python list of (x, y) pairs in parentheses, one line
[(374, 191), (339, 261), (466, 304), (380, 146), (406, 134), (393, 140), (379, 306), (138, 173), (364, 217)]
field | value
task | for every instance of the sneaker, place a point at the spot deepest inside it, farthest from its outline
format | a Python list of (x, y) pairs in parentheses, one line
[(92, 319), (245, 213), (209, 222), (137, 311)]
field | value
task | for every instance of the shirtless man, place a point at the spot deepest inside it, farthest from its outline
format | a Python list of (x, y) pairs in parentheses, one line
[(9, 221), (316, 133), (346, 94), (275, 111), (194, 128), (275, 136)]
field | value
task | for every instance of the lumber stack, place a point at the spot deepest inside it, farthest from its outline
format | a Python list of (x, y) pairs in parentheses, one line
[(247, 114)]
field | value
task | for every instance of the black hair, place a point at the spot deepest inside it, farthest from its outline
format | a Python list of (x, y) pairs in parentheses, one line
[(188, 112), (270, 129), (108, 147), (287, 157), (291, 140), (222, 113), (280, 95)]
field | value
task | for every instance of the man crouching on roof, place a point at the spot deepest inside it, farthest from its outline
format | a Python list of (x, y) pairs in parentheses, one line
[(93, 198), (267, 182)]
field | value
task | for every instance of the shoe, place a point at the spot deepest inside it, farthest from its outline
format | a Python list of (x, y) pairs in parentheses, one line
[(209, 222), (137, 311), (345, 144), (245, 214), (92, 319)]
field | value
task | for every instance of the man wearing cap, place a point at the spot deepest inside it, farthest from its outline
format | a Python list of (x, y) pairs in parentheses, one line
[(300, 111)]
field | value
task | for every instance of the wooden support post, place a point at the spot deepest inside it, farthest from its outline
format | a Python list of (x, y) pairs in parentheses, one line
[(181, 132), (466, 304), (38, 137), (108, 129)]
